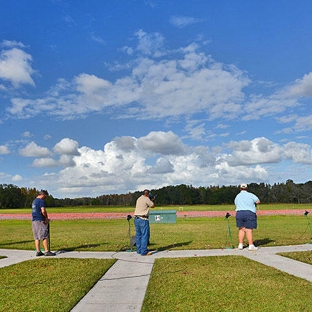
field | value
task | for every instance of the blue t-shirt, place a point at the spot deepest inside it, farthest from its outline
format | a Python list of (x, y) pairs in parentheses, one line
[(36, 206), (246, 201)]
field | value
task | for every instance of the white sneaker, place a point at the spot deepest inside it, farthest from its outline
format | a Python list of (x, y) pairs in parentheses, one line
[(240, 246), (252, 248)]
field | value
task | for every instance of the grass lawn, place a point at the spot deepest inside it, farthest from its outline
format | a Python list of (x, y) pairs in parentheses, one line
[(48, 284), (227, 283), (303, 256), (187, 233), (130, 209)]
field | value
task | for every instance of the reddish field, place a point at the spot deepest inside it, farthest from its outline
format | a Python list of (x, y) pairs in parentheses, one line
[(112, 215)]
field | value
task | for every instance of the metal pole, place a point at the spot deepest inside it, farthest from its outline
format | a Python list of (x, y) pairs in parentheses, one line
[(49, 239), (229, 230), (309, 223)]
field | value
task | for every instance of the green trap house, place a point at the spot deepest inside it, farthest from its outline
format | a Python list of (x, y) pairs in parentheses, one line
[(162, 216)]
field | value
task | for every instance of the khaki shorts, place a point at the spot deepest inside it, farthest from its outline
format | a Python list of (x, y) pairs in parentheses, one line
[(40, 230)]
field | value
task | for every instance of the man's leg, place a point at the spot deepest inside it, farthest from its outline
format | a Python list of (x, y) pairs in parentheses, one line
[(137, 235), (37, 244), (145, 237), (249, 236), (241, 235), (45, 243)]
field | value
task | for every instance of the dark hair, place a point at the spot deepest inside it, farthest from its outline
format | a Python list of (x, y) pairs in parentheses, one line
[(44, 192), (146, 192)]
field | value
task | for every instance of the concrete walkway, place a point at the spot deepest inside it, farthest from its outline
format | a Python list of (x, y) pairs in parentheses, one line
[(123, 286)]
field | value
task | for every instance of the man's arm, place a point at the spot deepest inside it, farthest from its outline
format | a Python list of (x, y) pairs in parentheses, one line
[(44, 213)]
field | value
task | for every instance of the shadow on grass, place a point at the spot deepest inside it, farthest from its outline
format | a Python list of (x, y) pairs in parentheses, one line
[(162, 248), (263, 242), (172, 246), (16, 243), (81, 247)]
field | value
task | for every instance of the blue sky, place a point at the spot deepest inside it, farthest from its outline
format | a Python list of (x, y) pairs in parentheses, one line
[(110, 97)]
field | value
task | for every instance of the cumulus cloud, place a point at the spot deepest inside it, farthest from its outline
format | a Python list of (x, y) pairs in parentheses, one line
[(150, 44), (15, 64), (161, 87), (256, 151), (299, 152), (302, 87), (66, 146), (4, 149), (33, 150), (165, 143), (159, 83), (12, 44), (160, 158), (17, 178), (131, 166), (44, 158)]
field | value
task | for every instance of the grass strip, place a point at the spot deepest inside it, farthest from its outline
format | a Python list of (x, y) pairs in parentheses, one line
[(227, 283), (49, 284), (187, 233), (130, 209), (302, 256)]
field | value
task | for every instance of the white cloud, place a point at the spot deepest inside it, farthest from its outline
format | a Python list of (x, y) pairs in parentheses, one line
[(190, 84), (15, 66), (165, 143), (150, 44), (27, 134), (302, 87), (45, 162), (33, 150), (256, 151), (300, 153), (66, 146), (182, 21), (4, 150), (303, 123), (160, 158), (97, 39), (12, 44), (17, 178), (259, 105)]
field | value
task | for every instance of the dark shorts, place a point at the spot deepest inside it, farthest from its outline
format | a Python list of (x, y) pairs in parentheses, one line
[(246, 218), (40, 230)]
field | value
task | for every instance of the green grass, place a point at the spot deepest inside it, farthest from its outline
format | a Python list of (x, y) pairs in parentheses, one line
[(130, 209), (302, 256), (187, 233), (228, 283), (48, 284)]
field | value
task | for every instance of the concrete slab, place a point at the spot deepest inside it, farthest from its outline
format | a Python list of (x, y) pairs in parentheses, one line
[(268, 256), (15, 256), (122, 288)]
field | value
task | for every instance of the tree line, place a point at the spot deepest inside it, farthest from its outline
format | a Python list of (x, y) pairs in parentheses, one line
[(12, 196)]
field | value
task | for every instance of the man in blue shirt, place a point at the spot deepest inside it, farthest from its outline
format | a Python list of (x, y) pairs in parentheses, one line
[(40, 224), (246, 217)]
